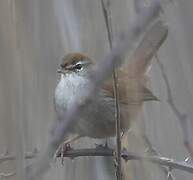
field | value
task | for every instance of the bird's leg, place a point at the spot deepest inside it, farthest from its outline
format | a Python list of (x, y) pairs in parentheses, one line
[(65, 146)]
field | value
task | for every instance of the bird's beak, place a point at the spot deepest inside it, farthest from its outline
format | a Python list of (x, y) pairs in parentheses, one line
[(61, 71)]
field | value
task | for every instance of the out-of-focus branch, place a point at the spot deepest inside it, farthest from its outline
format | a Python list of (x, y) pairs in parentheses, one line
[(107, 152), (8, 157), (103, 69), (16, 39), (108, 22), (183, 118)]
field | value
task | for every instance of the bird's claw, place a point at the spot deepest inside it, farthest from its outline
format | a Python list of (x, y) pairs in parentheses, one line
[(115, 159), (61, 151)]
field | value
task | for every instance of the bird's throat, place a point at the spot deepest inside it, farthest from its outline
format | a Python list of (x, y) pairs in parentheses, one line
[(69, 87)]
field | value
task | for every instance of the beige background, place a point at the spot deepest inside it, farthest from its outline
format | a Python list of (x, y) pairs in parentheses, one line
[(33, 37)]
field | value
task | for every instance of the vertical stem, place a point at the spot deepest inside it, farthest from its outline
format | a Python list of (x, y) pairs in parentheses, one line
[(18, 95), (108, 22)]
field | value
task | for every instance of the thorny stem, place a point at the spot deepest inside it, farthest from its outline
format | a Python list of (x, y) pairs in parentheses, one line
[(108, 152), (108, 22)]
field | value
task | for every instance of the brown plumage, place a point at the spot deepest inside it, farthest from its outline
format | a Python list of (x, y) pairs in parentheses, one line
[(98, 119), (72, 59)]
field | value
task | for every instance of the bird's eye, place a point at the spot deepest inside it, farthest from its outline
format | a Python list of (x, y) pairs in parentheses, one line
[(78, 66)]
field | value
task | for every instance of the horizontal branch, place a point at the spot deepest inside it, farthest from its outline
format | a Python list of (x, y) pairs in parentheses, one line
[(107, 152)]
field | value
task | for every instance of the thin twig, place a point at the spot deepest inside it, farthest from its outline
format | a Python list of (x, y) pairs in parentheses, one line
[(183, 118), (108, 22), (107, 152)]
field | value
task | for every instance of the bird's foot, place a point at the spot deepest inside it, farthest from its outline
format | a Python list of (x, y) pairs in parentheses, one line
[(64, 147), (60, 152)]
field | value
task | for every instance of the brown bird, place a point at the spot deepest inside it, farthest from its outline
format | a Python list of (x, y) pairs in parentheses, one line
[(98, 120)]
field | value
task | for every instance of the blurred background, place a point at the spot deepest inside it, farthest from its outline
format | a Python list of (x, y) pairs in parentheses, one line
[(34, 35)]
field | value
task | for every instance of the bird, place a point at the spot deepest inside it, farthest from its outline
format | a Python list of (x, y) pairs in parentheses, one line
[(97, 120)]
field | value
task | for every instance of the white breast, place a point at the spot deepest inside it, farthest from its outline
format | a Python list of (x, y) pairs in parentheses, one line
[(68, 89)]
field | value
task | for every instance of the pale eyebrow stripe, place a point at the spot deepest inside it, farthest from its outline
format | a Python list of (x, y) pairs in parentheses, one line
[(72, 66), (82, 63)]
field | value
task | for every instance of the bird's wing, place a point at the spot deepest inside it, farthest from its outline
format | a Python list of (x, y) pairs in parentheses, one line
[(141, 60), (132, 78), (131, 90)]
